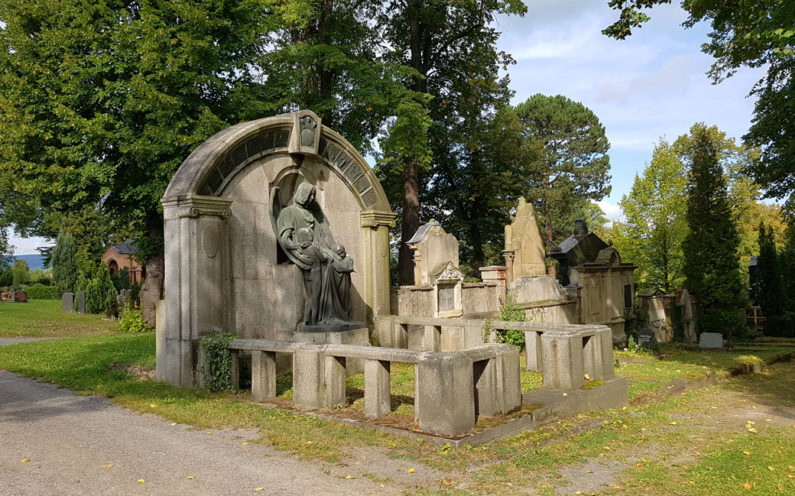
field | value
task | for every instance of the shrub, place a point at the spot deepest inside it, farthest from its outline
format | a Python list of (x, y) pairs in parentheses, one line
[(112, 303), (510, 311), (95, 300), (218, 362), (132, 321), (42, 292)]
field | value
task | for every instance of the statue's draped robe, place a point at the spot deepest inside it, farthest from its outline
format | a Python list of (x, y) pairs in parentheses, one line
[(333, 305)]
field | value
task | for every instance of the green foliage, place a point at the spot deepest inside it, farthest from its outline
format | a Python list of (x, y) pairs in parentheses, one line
[(573, 165), (98, 290), (6, 277), (64, 264), (710, 248), (20, 272), (112, 302), (131, 321), (775, 297), (651, 236), (42, 292), (772, 130), (218, 362), (510, 311), (121, 279)]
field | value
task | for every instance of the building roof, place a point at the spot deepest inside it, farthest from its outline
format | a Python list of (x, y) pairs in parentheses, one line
[(126, 248), (422, 231)]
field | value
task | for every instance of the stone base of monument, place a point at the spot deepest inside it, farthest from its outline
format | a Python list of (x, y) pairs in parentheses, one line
[(349, 333)]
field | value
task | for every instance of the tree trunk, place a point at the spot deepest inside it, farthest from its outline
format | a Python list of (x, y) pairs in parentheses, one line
[(410, 224), (411, 189)]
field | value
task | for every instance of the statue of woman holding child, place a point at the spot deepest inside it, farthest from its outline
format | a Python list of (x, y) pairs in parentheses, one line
[(304, 236)]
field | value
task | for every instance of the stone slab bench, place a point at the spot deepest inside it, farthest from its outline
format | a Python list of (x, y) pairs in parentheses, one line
[(451, 389)]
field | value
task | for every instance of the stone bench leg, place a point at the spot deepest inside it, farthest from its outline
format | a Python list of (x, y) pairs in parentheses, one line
[(532, 343), (444, 402), (432, 338), (335, 382), (562, 365), (308, 379), (508, 381), (263, 375), (605, 337), (485, 377), (377, 383)]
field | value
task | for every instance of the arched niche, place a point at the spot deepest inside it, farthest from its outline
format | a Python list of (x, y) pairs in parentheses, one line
[(224, 271)]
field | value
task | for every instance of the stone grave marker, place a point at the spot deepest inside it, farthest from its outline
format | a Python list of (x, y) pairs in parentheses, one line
[(646, 338), (81, 301), (710, 340), (68, 302)]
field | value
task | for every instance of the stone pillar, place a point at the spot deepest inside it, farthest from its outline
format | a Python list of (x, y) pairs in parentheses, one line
[(498, 274), (445, 395), (509, 256), (375, 229), (335, 382), (263, 375), (308, 378), (562, 364), (485, 378), (532, 343), (234, 369), (196, 270), (377, 383), (508, 379)]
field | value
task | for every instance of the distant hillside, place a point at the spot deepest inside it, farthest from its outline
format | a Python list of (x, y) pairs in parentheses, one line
[(34, 261)]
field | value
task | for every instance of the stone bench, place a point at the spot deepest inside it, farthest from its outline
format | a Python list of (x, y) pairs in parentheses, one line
[(569, 354), (437, 334), (451, 389)]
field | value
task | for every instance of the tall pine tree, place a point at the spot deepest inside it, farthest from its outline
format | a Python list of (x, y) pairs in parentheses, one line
[(711, 265)]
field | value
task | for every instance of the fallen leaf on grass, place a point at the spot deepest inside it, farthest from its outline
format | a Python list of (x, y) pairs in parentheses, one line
[(108, 465), (411, 470), (446, 482), (747, 485), (141, 481), (25, 460), (152, 405), (189, 477), (259, 488)]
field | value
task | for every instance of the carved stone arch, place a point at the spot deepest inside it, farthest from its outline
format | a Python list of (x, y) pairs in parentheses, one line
[(221, 197)]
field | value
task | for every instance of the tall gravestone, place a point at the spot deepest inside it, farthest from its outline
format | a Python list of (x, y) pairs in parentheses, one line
[(524, 248), (226, 266), (81, 301), (68, 302)]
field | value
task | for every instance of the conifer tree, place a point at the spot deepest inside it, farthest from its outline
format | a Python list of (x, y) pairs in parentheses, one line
[(771, 296), (64, 265), (711, 265)]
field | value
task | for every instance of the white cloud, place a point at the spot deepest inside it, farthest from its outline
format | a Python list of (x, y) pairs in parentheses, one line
[(27, 246), (653, 84), (612, 210)]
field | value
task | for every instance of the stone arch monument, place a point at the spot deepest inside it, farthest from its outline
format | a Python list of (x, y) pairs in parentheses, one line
[(225, 268)]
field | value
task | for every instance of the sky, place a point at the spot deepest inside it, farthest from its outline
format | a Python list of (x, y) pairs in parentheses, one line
[(652, 85)]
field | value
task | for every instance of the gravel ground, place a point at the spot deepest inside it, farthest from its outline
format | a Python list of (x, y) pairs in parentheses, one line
[(85, 445)]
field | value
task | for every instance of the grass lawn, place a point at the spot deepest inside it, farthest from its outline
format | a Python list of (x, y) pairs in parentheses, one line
[(735, 437), (40, 318)]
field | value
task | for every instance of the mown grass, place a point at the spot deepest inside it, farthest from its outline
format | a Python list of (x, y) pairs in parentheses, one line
[(44, 318), (666, 444)]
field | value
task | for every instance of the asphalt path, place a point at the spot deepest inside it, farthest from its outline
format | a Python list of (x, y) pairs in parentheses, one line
[(85, 445)]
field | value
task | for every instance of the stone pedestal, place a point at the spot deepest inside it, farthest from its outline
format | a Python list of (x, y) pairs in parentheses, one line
[(359, 336)]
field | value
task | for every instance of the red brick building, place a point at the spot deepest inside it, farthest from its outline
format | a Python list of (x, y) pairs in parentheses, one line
[(118, 257)]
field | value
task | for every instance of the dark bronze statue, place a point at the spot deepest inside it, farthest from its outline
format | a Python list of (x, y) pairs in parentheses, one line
[(305, 237)]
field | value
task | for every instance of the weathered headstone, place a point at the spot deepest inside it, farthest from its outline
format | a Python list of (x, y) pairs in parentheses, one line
[(21, 296), (68, 302), (710, 340), (11, 294), (524, 248), (81, 301), (433, 249)]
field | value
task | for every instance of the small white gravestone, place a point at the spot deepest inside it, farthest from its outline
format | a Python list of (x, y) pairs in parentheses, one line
[(710, 340)]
